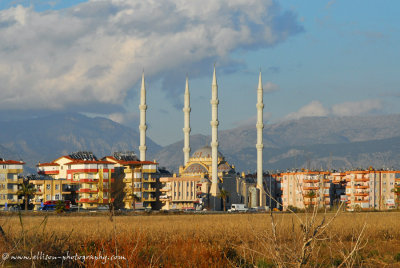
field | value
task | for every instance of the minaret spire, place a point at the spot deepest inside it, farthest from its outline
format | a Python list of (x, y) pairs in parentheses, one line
[(142, 126), (214, 136), (186, 129), (260, 145)]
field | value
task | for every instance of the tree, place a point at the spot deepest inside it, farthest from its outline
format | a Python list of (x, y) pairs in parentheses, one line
[(117, 190), (223, 194), (311, 195), (396, 191), (134, 199), (60, 206), (27, 190)]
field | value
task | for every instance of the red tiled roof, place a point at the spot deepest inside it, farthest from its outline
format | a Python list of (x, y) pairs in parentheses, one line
[(122, 162), (74, 162), (47, 164), (11, 162)]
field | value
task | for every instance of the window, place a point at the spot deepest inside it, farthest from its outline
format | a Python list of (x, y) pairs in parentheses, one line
[(57, 196), (48, 197), (48, 186), (57, 186)]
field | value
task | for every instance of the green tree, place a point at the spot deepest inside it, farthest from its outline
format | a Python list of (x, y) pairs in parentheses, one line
[(27, 190), (223, 194), (396, 191), (60, 206), (311, 195)]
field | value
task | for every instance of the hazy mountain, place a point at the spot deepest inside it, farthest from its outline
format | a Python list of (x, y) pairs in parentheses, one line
[(341, 142), (338, 142), (46, 138)]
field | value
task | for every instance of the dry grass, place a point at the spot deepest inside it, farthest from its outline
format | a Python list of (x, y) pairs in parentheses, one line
[(241, 240)]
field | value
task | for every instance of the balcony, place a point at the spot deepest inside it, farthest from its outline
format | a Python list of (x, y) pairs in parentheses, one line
[(361, 193), (16, 171), (88, 181), (361, 186), (361, 179), (87, 190), (149, 199), (15, 181), (310, 187), (127, 180), (12, 191), (149, 180), (14, 201), (149, 190), (88, 200), (165, 198), (361, 201), (310, 180), (165, 189)]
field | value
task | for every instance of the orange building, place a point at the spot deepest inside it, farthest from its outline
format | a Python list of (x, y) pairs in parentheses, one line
[(80, 175)]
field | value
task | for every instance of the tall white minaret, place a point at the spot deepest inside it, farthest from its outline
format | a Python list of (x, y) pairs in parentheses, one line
[(142, 126), (214, 136), (260, 145), (186, 129)]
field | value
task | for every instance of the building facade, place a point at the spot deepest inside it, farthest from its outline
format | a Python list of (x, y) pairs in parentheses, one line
[(139, 178), (10, 179), (79, 176)]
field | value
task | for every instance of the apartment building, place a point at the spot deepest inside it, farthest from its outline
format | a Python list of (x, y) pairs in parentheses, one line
[(79, 176), (140, 178), (371, 189), (48, 189), (304, 188), (10, 179)]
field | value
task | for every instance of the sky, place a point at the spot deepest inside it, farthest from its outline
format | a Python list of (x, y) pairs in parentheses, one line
[(317, 58)]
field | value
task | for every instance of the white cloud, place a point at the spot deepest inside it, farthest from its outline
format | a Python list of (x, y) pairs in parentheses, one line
[(314, 108), (270, 87), (252, 120), (93, 53), (356, 108)]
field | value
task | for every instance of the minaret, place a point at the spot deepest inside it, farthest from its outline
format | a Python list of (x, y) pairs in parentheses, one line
[(186, 130), (260, 145), (142, 126), (214, 137)]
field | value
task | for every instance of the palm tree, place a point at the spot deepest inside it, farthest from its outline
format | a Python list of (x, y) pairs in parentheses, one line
[(134, 199), (396, 191), (27, 190), (223, 194), (311, 195)]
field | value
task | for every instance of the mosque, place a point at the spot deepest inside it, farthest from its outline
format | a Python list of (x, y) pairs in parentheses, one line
[(206, 180)]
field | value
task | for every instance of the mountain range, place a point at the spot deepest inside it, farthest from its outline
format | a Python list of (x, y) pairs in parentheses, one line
[(310, 142)]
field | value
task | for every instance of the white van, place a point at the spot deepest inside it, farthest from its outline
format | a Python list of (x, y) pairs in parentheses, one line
[(238, 208)]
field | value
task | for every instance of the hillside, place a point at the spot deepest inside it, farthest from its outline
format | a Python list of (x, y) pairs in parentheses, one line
[(46, 138), (339, 142)]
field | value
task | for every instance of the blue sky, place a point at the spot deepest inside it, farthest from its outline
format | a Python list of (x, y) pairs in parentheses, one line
[(318, 58)]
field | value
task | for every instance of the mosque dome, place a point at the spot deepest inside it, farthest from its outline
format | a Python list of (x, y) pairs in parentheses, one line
[(205, 152), (224, 167), (196, 168)]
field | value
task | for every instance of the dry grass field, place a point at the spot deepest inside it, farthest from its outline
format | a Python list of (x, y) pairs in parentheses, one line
[(197, 240)]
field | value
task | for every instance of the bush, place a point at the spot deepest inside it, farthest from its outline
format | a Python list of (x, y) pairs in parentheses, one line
[(397, 257)]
